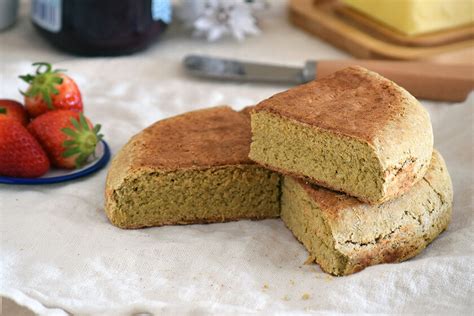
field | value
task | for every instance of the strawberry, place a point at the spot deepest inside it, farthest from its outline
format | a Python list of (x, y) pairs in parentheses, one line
[(50, 90), (20, 153), (67, 136), (12, 109)]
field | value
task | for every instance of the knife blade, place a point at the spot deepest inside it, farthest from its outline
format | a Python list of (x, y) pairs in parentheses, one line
[(426, 80), (229, 69)]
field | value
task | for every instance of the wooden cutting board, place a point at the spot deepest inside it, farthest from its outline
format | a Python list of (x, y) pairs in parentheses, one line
[(368, 39)]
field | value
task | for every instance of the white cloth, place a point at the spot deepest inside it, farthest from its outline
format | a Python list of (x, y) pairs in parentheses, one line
[(60, 254)]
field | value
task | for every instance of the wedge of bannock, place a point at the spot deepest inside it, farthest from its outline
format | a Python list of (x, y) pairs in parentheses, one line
[(353, 131), (344, 235)]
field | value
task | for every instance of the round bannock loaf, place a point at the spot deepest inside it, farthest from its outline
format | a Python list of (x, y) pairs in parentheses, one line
[(353, 131), (191, 168)]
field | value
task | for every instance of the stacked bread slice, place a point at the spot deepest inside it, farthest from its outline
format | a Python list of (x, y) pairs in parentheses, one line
[(346, 161)]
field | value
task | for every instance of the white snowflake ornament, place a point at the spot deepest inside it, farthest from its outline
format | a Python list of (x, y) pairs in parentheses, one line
[(215, 18)]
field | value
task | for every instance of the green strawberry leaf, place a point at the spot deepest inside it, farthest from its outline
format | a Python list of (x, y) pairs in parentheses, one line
[(83, 122), (96, 128), (69, 143), (75, 123), (70, 132), (71, 151), (27, 78), (47, 98)]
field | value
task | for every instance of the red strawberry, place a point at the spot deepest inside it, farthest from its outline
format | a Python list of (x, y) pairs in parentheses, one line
[(20, 153), (67, 136), (50, 90), (12, 109)]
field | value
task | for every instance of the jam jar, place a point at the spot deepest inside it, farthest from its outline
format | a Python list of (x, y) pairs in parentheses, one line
[(101, 27)]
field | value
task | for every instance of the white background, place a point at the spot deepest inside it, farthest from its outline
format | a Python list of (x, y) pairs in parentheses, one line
[(59, 252)]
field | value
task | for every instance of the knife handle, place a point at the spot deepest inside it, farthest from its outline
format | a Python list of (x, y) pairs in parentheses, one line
[(441, 82)]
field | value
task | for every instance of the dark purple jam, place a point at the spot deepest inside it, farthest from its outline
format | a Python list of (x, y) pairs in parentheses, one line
[(101, 27)]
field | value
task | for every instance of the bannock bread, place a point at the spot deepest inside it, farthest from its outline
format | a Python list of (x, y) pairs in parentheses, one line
[(353, 131), (344, 235), (191, 168)]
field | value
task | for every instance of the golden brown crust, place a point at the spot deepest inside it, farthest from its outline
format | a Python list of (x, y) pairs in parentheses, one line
[(353, 102), (205, 138)]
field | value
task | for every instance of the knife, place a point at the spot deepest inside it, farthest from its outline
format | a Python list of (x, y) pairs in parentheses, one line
[(425, 80)]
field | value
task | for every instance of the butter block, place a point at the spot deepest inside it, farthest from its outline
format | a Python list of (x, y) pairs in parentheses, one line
[(414, 17)]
